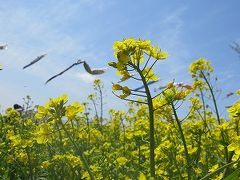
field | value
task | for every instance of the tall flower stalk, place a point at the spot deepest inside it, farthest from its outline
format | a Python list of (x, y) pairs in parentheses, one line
[(130, 54), (201, 69)]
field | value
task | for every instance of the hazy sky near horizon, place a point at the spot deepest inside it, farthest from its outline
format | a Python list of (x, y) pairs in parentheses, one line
[(68, 30)]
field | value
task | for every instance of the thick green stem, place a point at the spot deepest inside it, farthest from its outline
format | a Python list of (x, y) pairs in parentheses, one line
[(151, 122), (189, 168)]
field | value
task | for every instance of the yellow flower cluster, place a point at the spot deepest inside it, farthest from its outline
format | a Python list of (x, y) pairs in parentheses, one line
[(131, 52), (54, 102), (73, 109), (199, 66), (43, 133), (136, 47), (51, 106), (172, 93), (121, 161)]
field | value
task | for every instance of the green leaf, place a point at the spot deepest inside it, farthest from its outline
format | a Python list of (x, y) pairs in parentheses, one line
[(234, 176), (218, 170)]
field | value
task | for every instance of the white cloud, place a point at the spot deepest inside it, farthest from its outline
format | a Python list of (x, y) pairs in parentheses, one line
[(85, 77)]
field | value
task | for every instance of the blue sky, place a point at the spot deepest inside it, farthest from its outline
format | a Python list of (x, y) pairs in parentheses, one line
[(68, 30)]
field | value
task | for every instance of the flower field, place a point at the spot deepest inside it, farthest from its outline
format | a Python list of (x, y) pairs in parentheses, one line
[(150, 140)]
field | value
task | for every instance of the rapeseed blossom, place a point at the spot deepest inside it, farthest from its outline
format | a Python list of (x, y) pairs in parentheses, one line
[(43, 133)]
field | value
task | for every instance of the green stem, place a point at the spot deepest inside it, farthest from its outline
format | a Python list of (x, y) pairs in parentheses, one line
[(149, 57), (149, 70), (95, 108), (151, 122), (218, 117), (124, 137), (204, 109), (88, 126), (139, 154), (50, 155), (101, 105), (213, 97), (29, 164), (189, 169)]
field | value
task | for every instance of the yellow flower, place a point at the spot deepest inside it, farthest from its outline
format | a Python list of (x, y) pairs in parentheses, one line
[(169, 95), (125, 75), (198, 170), (238, 92), (94, 168), (97, 82), (191, 150), (214, 168), (118, 45), (180, 95), (73, 109), (43, 133), (149, 74), (73, 160), (126, 92), (41, 112), (166, 144), (13, 114), (200, 65), (170, 85), (122, 57), (180, 158), (54, 102), (28, 122), (144, 44), (235, 147), (198, 84), (132, 50), (153, 50), (142, 177), (234, 110), (14, 138), (161, 55), (120, 67), (121, 161), (116, 87), (22, 156), (10, 159), (45, 164)]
